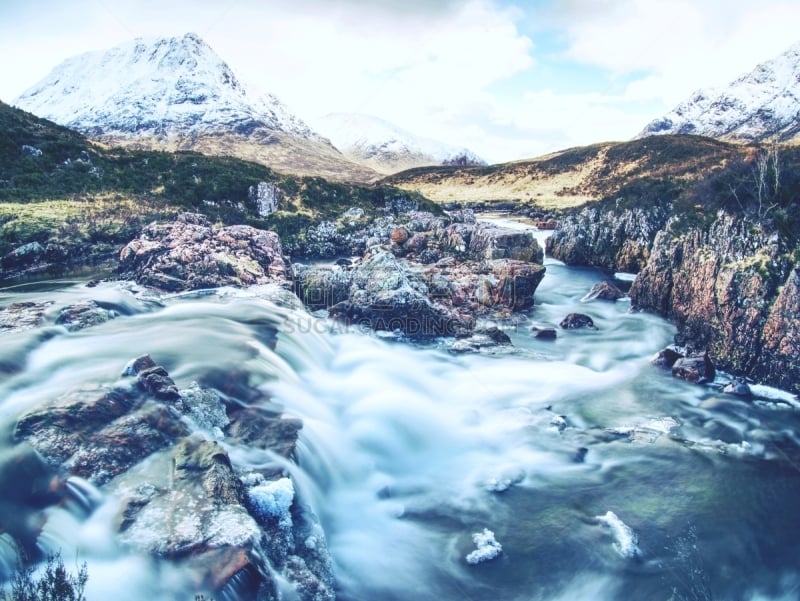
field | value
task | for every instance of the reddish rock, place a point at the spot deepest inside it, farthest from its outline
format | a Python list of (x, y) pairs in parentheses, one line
[(697, 369), (190, 253), (398, 235)]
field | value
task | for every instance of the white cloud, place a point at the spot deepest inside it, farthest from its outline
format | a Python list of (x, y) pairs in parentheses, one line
[(437, 67), (680, 45)]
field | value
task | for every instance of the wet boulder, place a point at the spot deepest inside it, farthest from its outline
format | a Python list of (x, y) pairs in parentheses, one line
[(697, 369), (191, 253), (666, 358), (575, 321), (604, 290), (98, 434), (152, 378)]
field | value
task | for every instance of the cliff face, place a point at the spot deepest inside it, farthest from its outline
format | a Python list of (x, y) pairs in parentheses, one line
[(729, 289), (730, 285), (618, 240)]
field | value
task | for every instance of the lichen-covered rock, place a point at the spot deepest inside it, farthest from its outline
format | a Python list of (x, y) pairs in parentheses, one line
[(728, 283), (25, 255), (323, 287), (781, 336), (190, 253), (489, 242), (387, 295)]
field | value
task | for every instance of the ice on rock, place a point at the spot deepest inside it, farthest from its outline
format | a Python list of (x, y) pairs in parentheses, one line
[(626, 543), (487, 547), (272, 501)]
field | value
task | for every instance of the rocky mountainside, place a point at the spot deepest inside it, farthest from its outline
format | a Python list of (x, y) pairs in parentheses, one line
[(762, 105), (388, 148), (720, 258), (178, 94)]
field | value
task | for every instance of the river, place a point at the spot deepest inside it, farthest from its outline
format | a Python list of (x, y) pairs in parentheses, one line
[(599, 476)]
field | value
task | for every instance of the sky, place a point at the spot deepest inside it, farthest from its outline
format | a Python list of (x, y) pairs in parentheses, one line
[(507, 79)]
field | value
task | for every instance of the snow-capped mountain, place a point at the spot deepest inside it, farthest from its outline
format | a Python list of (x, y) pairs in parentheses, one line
[(386, 147), (762, 105), (177, 93)]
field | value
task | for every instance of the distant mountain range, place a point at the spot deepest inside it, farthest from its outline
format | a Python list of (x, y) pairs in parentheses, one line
[(762, 105), (178, 94), (387, 148)]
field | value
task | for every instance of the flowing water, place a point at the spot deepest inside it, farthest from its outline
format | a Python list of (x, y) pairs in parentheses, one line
[(407, 451)]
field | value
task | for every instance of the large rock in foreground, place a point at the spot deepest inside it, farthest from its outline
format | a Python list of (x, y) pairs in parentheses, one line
[(242, 530), (191, 253)]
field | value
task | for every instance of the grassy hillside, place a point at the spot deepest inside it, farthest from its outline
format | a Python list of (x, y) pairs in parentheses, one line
[(575, 176), (58, 188)]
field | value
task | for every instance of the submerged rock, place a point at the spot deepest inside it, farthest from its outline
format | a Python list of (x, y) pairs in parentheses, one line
[(83, 315), (191, 253), (738, 388), (486, 339), (17, 317), (544, 333)]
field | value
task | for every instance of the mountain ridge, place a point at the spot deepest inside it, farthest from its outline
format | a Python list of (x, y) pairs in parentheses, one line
[(178, 94), (762, 105), (388, 148)]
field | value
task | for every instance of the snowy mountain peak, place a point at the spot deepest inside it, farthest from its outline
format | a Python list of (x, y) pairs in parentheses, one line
[(388, 148), (157, 87), (762, 105)]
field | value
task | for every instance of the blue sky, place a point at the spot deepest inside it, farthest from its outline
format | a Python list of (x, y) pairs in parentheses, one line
[(508, 79)]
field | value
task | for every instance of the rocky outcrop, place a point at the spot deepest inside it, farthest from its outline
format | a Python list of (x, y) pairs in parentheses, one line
[(426, 275), (731, 289), (191, 253), (385, 294), (728, 282), (242, 530), (618, 239)]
